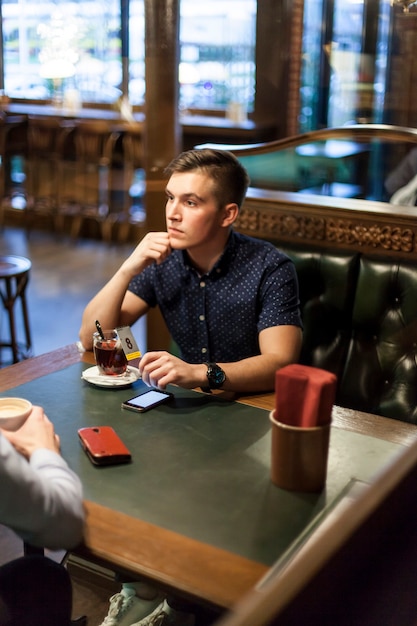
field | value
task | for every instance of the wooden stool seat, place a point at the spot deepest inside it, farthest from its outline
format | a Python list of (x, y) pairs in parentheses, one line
[(14, 277)]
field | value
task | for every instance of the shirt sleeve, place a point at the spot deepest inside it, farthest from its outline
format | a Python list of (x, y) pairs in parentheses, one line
[(41, 500), (279, 294), (142, 286)]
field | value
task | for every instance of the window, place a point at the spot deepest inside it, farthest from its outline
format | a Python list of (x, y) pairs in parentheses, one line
[(136, 52), (217, 41), (346, 50), (53, 46)]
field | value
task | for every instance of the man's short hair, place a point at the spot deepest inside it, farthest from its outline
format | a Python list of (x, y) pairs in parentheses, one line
[(230, 178)]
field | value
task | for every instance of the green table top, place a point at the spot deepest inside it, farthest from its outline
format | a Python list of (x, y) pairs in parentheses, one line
[(200, 465)]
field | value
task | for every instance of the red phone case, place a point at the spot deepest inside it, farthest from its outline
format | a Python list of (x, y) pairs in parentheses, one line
[(103, 445)]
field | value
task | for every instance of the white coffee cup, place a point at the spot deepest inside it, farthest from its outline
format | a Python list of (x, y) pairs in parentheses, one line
[(14, 412)]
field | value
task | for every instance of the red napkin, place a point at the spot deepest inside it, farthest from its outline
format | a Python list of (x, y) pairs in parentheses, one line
[(304, 396)]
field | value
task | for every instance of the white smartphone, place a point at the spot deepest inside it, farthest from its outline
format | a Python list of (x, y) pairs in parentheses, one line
[(146, 400)]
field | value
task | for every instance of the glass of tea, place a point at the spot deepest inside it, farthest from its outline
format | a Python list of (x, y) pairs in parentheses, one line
[(109, 354)]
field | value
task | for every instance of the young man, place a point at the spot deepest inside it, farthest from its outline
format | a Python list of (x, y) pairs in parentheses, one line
[(229, 301), (41, 500)]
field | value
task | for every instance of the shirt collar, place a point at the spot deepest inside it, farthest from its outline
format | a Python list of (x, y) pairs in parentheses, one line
[(223, 262)]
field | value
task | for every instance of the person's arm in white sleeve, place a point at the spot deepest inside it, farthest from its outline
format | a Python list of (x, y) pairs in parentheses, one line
[(41, 496)]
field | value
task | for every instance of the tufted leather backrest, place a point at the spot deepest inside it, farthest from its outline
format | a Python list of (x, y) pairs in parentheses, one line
[(360, 322), (327, 283), (380, 375)]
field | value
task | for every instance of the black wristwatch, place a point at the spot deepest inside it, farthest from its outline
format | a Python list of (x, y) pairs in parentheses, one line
[(215, 375)]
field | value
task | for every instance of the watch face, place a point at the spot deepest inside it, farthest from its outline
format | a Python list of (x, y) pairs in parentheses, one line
[(215, 375), (218, 377)]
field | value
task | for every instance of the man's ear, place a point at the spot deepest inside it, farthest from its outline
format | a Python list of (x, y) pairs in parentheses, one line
[(230, 213)]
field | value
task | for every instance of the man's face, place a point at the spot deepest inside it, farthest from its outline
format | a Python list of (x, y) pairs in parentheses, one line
[(192, 213)]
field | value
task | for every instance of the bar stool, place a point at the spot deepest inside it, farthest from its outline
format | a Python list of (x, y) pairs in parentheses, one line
[(127, 167), (90, 198), (46, 143), (12, 145), (2, 172), (133, 162), (14, 277)]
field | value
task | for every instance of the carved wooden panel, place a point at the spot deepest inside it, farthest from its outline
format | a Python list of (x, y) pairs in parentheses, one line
[(342, 224)]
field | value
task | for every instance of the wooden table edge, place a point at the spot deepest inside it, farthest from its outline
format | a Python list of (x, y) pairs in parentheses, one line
[(201, 571)]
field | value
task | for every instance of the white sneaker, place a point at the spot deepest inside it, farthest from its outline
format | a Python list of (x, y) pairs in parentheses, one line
[(126, 607), (165, 615)]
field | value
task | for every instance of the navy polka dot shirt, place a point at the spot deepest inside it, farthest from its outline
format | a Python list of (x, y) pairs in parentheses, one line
[(218, 316)]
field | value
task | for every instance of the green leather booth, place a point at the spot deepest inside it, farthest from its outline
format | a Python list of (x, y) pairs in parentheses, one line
[(360, 322)]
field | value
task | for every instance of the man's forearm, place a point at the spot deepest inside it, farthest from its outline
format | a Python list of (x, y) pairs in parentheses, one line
[(105, 306)]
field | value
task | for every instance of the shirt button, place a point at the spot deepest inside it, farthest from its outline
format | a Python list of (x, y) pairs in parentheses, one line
[(202, 284), (201, 318), (203, 350)]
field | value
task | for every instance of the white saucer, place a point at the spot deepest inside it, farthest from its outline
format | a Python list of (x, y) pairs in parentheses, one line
[(92, 375)]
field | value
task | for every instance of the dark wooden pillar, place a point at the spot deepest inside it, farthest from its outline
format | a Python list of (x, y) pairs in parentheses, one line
[(162, 140)]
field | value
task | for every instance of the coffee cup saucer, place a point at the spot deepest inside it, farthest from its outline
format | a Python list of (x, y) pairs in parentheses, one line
[(93, 376)]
